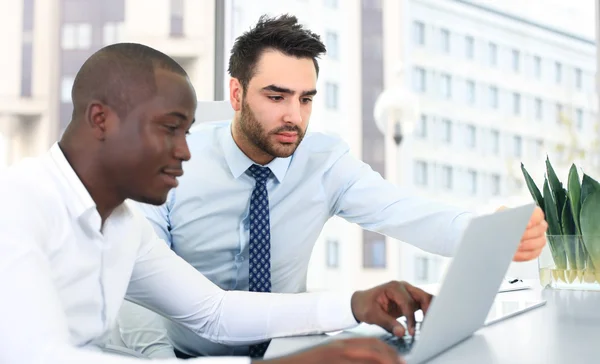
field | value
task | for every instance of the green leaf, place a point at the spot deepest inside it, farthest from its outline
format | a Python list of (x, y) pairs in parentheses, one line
[(558, 191), (533, 188), (590, 228), (588, 185), (574, 196), (557, 248), (568, 230)]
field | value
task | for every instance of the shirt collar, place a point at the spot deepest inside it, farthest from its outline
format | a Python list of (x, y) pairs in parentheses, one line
[(82, 201), (239, 162)]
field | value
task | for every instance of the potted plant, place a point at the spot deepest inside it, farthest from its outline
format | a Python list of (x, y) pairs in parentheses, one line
[(571, 259)]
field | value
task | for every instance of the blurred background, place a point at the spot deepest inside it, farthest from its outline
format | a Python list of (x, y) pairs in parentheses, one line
[(445, 97)]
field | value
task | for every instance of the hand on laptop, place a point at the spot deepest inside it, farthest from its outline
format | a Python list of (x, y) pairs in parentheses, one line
[(383, 305), (534, 238), (349, 351)]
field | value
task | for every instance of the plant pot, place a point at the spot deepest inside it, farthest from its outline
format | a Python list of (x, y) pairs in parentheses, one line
[(565, 264)]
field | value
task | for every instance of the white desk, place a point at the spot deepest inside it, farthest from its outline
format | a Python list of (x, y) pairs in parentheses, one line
[(564, 331)]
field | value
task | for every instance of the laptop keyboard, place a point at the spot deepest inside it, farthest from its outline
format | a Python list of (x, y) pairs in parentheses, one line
[(403, 344)]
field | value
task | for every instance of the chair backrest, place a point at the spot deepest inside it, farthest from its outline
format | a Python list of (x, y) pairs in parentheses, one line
[(213, 111)]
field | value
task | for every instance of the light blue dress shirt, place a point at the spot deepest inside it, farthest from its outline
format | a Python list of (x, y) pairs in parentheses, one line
[(205, 219)]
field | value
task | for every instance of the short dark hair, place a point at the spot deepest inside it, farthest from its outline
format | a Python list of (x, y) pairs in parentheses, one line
[(282, 34), (120, 75)]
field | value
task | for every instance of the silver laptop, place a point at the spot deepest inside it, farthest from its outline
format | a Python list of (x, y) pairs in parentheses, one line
[(487, 247)]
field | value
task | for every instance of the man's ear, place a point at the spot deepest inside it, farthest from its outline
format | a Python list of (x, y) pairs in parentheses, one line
[(235, 94), (99, 117)]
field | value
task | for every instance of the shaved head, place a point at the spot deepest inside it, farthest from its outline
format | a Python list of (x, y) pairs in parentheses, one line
[(120, 76)]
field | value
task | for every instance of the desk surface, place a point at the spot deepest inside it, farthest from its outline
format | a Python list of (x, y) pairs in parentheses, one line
[(566, 330)]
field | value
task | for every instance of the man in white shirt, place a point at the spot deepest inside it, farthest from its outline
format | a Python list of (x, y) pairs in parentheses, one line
[(71, 247), (308, 178)]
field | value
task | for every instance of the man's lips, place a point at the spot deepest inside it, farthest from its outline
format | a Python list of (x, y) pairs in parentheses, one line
[(287, 137)]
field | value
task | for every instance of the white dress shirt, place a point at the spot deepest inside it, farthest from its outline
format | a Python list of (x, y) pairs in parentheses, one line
[(205, 220), (64, 275)]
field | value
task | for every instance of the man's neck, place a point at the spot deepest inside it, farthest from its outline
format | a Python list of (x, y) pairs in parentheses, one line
[(92, 179)]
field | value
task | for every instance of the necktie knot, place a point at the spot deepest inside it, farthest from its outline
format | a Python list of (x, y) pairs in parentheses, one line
[(260, 174)]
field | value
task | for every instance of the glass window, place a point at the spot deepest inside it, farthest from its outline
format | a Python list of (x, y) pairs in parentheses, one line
[(374, 254), (471, 136), (538, 109), (419, 80), (469, 47), (333, 253), (470, 92), (420, 173), (493, 54), (422, 269), (331, 39), (419, 33), (445, 34), (331, 96)]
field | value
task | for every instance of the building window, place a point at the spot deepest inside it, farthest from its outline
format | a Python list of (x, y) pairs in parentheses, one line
[(518, 146), (176, 25), (470, 137), (537, 67), (471, 92), (421, 129), (538, 109), (446, 86), (374, 254), (331, 96), (578, 79), (539, 148), (493, 54), (111, 33), (27, 69), (579, 118), (331, 39), (516, 60), (558, 72), (447, 177), (472, 181), (76, 36), (469, 47), (495, 144), (420, 173), (333, 253), (447, 131), (422, 269), (495, 185), (493, 94), (419, 80), (419, 33), (559, 113), (445, 34), (516, 104), (65, 89)]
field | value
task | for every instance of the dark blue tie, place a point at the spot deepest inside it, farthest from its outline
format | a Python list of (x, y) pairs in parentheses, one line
[(259, 277)]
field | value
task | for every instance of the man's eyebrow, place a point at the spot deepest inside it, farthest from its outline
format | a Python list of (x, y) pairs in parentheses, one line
[(179, 115), (285, 90)]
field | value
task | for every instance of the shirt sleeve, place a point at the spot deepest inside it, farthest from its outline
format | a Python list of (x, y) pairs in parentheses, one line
[(165, 283), (364, 197), (34, 326)]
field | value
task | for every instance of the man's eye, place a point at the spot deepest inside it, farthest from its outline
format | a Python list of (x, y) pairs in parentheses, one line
[(276, 98)]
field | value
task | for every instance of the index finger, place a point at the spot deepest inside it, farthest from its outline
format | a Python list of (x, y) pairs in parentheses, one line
[(421, 297)]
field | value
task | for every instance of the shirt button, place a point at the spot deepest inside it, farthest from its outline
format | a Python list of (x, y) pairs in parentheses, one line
[(246, 225), (239, 258)]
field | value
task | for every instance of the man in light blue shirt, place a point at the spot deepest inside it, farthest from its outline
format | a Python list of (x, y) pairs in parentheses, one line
[(212, 220)]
